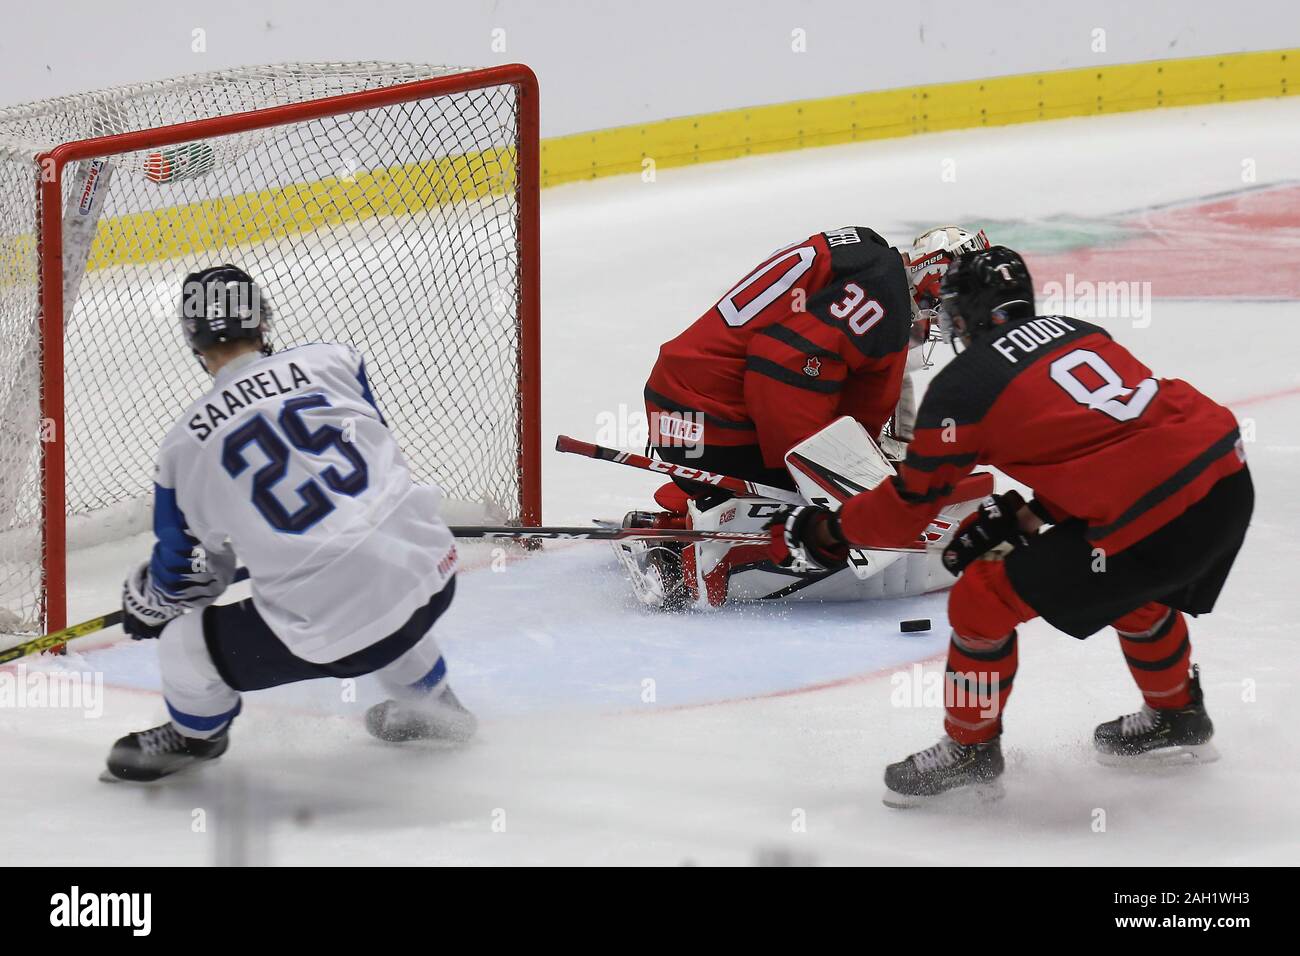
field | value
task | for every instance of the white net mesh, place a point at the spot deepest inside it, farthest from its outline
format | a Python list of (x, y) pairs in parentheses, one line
[(393, 228)]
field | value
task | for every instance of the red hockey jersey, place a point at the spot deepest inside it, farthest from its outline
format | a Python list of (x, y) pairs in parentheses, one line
[(819, 330), (1058, 405)]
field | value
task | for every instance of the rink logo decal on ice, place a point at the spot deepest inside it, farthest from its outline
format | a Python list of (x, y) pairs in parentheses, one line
[(1085, 299), (75, 909), (65, 690)]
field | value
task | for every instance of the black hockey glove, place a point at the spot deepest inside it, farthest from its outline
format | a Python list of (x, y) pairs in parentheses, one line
[(808, 535), (993, 523)]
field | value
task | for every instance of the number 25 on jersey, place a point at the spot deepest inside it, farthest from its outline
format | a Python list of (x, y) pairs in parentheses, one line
[(315, 504)]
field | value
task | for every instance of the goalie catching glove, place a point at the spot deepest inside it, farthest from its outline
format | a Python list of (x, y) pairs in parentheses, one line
[(995, 522), (809, 536)]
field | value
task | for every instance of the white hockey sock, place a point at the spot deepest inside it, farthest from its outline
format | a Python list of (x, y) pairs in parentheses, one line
[(420, 673)]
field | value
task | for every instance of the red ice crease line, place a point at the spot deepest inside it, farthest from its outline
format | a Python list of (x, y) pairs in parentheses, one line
[(1264, 397), (862, 678)]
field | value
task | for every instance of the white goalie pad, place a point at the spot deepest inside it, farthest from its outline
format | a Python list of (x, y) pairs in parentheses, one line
[(722, 572), (647, 574), (832, 466), (904, 575)]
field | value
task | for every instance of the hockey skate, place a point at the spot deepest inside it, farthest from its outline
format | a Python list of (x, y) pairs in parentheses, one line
[(1159, 737), (946, 767), (441, 718), (162, 751)]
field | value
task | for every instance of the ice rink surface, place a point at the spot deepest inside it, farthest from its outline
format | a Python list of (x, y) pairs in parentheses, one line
[(614, 735)]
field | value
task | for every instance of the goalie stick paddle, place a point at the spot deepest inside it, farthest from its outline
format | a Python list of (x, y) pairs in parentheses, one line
[(737, 486)]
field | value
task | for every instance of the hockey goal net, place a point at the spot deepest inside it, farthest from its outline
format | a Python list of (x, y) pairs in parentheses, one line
[(392, 206)]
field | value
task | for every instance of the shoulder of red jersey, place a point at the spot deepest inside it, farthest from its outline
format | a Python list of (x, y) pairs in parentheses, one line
[(853, 248), (967, 387), (868, 298)]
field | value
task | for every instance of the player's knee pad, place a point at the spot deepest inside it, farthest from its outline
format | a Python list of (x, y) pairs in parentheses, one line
[(183, 655), (200, 702), (983, 606)]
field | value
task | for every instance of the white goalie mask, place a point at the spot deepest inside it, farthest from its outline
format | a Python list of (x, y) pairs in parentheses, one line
[(931, 254)]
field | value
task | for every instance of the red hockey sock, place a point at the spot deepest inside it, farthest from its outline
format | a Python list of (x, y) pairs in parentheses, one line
[(977, 683), (983, 610), (1158, 650)]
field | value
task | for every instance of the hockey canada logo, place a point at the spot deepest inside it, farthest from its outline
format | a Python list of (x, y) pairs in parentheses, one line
[(813, 367)]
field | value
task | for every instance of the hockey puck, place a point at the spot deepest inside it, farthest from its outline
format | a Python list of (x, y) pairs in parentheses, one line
[(920, 624)]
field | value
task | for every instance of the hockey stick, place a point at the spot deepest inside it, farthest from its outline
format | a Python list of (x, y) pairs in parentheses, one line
[(977, 485), (57, 639), (95, 624), (612, 534), (735, 485)]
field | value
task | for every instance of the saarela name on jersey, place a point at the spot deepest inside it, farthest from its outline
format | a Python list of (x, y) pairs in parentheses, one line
[(247, 391)]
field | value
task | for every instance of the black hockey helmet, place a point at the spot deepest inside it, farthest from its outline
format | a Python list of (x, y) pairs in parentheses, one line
[(983, 289), (223, 304)]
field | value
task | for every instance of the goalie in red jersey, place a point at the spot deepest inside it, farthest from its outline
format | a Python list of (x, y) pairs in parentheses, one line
[(821, 329), (1143, 480)]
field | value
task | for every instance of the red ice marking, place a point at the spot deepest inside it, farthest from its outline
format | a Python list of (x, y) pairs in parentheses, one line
[(1241, 246), (1265, 397), (852, 679)]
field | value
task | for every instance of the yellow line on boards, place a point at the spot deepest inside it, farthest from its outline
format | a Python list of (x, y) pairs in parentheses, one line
[(858, 117), (248, 218)]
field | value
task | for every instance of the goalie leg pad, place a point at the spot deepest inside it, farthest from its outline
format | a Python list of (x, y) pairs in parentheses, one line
[(708, 565)]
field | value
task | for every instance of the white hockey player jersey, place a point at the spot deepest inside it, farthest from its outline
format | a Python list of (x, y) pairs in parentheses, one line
[(288, 466)]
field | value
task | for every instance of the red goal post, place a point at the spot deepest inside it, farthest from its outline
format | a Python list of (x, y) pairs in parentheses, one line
[(398, 105)]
